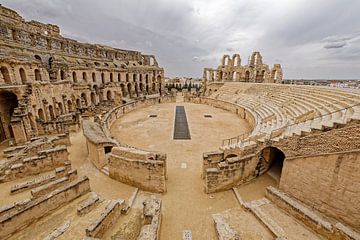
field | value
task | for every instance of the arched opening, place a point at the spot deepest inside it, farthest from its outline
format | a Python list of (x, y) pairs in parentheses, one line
[(69, 104), (141, 86), (22, 75), (153, 87), (41, 114), (103, 78), (129, 89), (136, 89), (247, 76), (84, 98), (74, 77), (62, 75), (6, 75), (111, 77), (93, 98), (37, 75), (119, 77), (78, 103), (134, 77), (158, 78), (271, 160), (84, 76), (61, 108), (123, 92), (94, 77), (147, 89), (146, 78), (8, 103), (127, 77), (109, 95), (51, 112)]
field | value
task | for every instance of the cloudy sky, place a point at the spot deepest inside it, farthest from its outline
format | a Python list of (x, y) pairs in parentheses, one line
[(310, 38)]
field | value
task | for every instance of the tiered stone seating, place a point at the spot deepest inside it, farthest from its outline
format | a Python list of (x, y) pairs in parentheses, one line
[(280, 106)]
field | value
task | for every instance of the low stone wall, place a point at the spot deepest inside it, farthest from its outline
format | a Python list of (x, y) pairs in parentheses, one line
[(223, 229), (89, 204), (98, 136), (46, 160), (42, 206), (241, 170), (152, 220), (139, 168), (107, 218)]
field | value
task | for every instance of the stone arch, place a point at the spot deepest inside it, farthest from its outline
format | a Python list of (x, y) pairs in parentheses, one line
[(136, 89), (37, 75), (247, 76), (127, 77), (93, 77), (111, 77), (226, 60), (109, 95), (93, 98), (62, 75), (84, 76), (123, 91), (8, 103), (158, 78), (22, 75), (74, 77), (236, 60), (5, 74), (153, 87), (61, 108), (78, 103), (41, 114), (119, 77), (83, 96), (103, 78), (129, 89), (69, 105), (51, 112), (271, 160), (147, 89)]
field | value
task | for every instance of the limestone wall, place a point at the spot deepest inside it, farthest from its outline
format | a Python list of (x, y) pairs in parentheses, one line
[(42, 206), (142, 169), (98, 135), (330, 183)]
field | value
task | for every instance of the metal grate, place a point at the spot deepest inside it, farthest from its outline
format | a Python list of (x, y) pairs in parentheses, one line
[(181, 127)]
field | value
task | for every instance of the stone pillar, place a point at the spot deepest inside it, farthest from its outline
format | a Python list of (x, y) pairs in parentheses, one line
[(18, 131)]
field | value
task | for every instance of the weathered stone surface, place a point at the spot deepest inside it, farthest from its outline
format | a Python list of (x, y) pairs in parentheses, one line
[(223, 229), (58, 231), (152, 220)]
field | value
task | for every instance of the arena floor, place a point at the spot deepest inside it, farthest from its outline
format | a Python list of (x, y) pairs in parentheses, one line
[(185, 205)]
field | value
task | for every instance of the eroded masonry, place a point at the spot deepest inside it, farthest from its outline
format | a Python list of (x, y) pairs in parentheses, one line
[(88, 148)]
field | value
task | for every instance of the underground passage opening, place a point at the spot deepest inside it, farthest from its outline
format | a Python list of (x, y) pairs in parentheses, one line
[(107, 149), (8, 102), (271, 161)]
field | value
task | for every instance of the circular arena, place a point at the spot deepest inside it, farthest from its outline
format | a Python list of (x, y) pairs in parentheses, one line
[(94, 146)]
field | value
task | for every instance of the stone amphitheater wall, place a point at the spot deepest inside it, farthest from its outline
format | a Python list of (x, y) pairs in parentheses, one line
[(329, 183)]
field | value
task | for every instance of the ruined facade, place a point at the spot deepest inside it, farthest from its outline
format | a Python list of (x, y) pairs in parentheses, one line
[(47, 80), (231, 70)]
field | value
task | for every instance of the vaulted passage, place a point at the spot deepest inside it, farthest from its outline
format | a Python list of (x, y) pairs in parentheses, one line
[(181, 127)]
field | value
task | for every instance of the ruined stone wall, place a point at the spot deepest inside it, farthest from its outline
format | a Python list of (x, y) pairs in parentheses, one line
[(139, 168), (256, 71), (98, 135), (35, 209), (55, 79), (329, 183)]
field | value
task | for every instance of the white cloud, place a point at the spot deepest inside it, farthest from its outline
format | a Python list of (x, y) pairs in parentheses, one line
[(300, 34)]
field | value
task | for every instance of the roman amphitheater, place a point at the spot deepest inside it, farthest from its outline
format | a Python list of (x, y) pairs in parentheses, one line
[(94, 147)]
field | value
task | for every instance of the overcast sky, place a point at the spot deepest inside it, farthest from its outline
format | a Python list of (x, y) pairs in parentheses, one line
[(310, 38)]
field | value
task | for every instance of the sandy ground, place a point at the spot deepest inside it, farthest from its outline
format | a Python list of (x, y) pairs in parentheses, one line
[(185, 205)]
